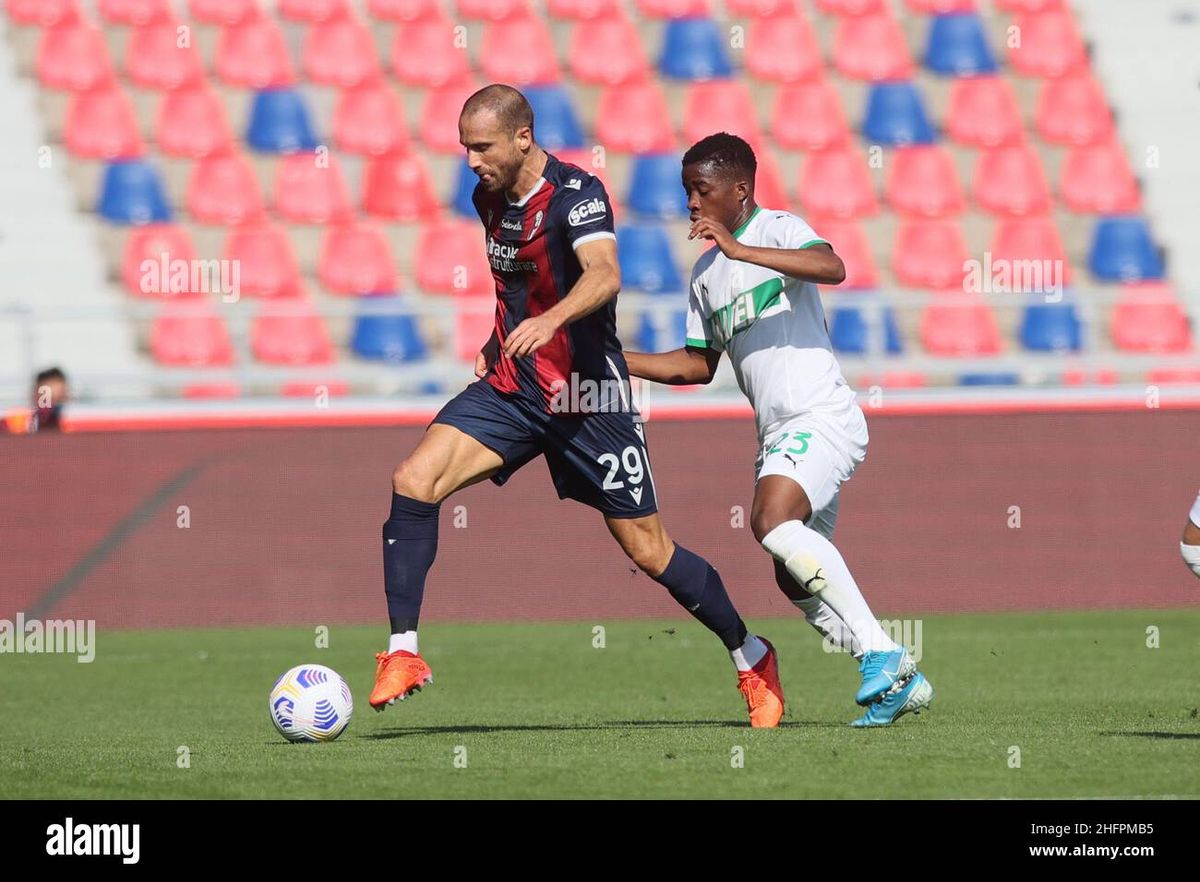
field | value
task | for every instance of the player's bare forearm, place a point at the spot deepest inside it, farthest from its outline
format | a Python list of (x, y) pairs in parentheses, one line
[(679, 367), (817, 263), (598, 285)]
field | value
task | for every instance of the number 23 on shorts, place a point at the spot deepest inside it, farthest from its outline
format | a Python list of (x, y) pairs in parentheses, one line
[(800, 438)]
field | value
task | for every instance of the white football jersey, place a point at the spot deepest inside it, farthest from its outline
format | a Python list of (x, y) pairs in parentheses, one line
[(772, 325)]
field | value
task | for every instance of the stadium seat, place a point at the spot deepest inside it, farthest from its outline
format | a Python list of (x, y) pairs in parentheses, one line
[(368, 119), (190, 336), (355, 259), (42, 13), (583, 10), (850, 242), (160, 244), (101, 124), (132, 193), (1124, 251), (892, 380), (211, 390), (959, 325), (311, 192), (872, 48), (654, 186), (397, 187), (222, 12), (1010, 181), (1018, 240), (1174, 375), (473, 325), (785, 50), (268, 263), (662, 331), (1051, 327), (1097, 179), (836, 183), (983, 112), (72, 56), (557, 125), (295, 336), (254, 55), (279, 122), (929, 254), (850, 328), (607, 52), (1029, 5), (340, 52), (674, 9), (154, 59), (941, 7), (424, 54), (851, 7), (693, 49), (1077, 377), (720, 105), (922, 181), (223, 189), (191, 123), (440, 108), (450, 259), (391, 338), (464, 189), (896, 116), (769, 189), (998, 378), (404, 10), (520, 51), (958, 46), (312, 11), (1150, 318), (492, 10), (647, 263), (1050, 45), (808, 116), (762, 8), (634, 118), (1073, 110)]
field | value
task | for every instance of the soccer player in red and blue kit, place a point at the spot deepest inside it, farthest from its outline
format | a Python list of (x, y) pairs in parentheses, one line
[(553, 254)]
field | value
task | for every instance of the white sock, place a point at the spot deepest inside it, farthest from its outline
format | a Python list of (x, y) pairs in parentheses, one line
[(1191, 555), (406, 640), (829, 624), (813, 562), (749, 654)]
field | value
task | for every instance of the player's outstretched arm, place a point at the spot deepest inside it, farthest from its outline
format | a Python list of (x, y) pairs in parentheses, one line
[(679, 367), (816, 263)]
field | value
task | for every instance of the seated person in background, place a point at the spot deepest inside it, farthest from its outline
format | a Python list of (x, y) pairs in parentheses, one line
[(49, 395)]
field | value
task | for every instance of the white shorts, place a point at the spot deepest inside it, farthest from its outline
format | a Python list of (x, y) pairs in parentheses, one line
[(818, 450)]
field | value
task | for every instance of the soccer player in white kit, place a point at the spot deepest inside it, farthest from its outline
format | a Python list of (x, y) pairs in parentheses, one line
[(754, 296), (1189, 545)]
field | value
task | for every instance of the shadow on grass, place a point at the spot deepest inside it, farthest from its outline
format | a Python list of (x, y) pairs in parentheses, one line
[(612, 726), (1170, 736)]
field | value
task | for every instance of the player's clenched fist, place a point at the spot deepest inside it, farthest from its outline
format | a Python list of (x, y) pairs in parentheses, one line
[(530, 336), (486, 357)]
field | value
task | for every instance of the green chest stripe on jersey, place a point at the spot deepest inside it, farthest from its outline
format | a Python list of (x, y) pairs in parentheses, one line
[(745, 308)]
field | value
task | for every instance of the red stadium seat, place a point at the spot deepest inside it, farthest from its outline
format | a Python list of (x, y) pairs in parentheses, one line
[(674, 8), (922, 182), (634, 118), (607, 52), (850, 242), (929, 254), (404, 10), (769, 189), (809, 116), (1148, 317), (959, 325), (212, 390), (1032, 239), (1174, 375), (223, 12), (1010, 181), (356, 259), (473, 326), (134, 12), (223, 189), (102, 124), (254, 55), (308, 191), (450, 259), (190, 335), (583, 10), (73, 57), (424, 54), (1073, 110), (369, 119), (720, 105), (520, 51), (267, 262), (872, 48), (836, 183), (398, 187), (191, 122), (339, 53), (1030, 5), (983, 112), (892, 380), (762, 8), (851, 7), (439, 115), (492, 10), (159, 244), (1050, 45), (1097, 179), (293, 336), (1078, 377), (941, 7), (785, 50), (313, 11), (42, 13), (155, 60)]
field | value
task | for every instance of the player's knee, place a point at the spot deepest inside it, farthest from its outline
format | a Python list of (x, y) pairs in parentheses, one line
[(408, 480), (649, 553), (765, 518)]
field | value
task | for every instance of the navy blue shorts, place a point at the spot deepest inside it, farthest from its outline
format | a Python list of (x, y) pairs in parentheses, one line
[(599, 459)]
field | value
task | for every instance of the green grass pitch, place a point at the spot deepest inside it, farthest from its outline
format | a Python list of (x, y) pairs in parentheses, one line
[(537, 711)]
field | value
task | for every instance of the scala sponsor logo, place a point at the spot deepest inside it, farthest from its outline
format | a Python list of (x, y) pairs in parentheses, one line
[(586, 212)]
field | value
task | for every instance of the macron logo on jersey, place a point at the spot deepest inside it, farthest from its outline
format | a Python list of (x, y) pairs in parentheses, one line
[(572, 184), (586, 212)]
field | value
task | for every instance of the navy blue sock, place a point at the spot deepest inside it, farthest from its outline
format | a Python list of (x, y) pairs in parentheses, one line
[(698, 588), (409, 547)]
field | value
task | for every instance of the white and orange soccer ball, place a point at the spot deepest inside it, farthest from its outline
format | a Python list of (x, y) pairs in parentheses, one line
[(311, 703)]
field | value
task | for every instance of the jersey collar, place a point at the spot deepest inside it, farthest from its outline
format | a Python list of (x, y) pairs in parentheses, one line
[(738, 232)]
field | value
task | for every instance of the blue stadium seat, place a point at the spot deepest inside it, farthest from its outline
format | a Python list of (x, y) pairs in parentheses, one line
[(996, 379), (1124, 251), (662, 332), (1051, 327), (849, 331), (958, 46), (467, 180), (896, 115), (654, 186), (646, 260), (279, 122), (693, 49), (557, 125), (132, 193), (388, 337)]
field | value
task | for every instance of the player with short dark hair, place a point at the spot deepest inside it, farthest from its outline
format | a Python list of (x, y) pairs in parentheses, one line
[(553, 255)]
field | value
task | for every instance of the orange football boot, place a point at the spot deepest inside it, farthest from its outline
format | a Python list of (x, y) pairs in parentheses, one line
[(398, 675), (763, 691)]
